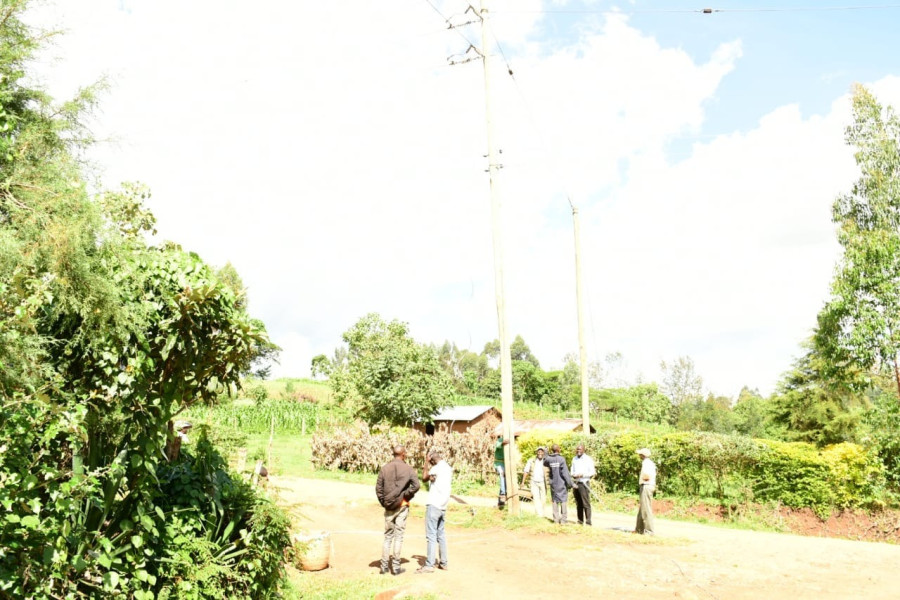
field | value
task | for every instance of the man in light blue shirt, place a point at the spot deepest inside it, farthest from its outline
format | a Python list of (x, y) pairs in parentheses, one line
[(439, 475), (582, 471)]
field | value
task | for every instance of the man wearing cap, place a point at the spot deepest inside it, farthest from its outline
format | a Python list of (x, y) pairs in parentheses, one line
[(582, 471), (647, 483), (397, 484), (535, 468), (560, 483)]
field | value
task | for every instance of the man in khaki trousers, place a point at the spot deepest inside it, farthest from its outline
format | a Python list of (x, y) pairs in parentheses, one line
[(647, 483)]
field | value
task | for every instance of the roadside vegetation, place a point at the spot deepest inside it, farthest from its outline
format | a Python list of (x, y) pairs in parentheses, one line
[(107, 341)]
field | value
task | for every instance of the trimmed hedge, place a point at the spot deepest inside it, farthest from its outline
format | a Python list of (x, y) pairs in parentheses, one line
[(734, 469)]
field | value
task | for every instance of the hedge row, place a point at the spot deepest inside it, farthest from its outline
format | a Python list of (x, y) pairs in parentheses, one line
[(733, 469)]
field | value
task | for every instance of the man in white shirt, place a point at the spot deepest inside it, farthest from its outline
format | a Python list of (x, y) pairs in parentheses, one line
[(647, 483), (582, 470), (439, 475), (535, 468)]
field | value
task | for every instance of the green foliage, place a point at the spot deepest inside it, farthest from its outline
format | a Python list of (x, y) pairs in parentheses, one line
[(753, 416), (883, 422), (712, 413), (220, 537), (286, 416), (862, 319), (642, 402), (258, 393), (103, 340), (733, 469), (819, 402), (529, 442), (389, 377), (680, 382)]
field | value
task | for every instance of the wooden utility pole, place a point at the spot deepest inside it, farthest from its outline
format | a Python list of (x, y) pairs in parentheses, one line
[(582, 352), (506, 396)]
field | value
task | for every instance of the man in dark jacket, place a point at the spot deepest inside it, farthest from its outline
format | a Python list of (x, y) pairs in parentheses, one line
[(560, 484), (396, 486)]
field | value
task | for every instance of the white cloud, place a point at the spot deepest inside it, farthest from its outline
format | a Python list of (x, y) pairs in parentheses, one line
[(329, 153)]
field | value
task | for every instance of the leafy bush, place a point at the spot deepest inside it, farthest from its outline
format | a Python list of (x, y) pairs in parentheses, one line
[(221, 538), (733, 469)]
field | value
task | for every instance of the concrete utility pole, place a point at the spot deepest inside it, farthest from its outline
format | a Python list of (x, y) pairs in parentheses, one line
[(506, 396), (582, 352)]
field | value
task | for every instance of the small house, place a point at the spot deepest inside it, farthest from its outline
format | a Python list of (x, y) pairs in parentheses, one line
[(459, 419)]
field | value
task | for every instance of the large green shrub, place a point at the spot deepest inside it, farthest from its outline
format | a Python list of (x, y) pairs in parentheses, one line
[(221, 538), (103, 341), (732, 469)]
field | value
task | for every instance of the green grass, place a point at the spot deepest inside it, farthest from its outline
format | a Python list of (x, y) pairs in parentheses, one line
[(324, 587), (291, 456)]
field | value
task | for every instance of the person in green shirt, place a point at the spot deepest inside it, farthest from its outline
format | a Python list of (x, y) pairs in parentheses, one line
[(500, 467)]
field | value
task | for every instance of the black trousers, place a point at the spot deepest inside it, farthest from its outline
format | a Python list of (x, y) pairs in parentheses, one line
[(582, 493)]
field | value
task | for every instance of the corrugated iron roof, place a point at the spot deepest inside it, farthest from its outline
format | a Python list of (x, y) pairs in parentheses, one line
[(460, 413)]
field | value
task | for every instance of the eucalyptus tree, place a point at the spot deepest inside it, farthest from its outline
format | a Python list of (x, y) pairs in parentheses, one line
[(861, 322)]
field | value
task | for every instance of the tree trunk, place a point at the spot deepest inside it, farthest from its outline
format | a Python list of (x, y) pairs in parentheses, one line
[(897, 375)]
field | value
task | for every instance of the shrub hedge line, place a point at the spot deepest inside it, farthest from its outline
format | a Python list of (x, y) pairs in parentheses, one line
[(733, 469)]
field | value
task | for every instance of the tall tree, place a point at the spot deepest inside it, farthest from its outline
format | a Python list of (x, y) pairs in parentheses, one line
[(815, 402), (389, 376), (861, 322), (681, 383)]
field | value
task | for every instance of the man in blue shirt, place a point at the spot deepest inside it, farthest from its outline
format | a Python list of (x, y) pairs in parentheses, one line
[(560, 483)]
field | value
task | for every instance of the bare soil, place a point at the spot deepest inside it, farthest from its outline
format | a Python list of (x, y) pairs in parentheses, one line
[(879, 526), (684, 560)]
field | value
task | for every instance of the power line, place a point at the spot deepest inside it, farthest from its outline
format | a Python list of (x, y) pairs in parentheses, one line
[(450, 25), (704, 10)]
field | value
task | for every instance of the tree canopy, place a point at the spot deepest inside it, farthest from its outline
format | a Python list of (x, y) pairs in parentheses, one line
[(389, 377), (861, 323)]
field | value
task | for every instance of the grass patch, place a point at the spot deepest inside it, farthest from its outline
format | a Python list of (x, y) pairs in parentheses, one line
[(322, 586), (291, 456)]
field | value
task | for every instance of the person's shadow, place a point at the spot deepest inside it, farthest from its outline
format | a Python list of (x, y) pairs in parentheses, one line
[(420, 561)]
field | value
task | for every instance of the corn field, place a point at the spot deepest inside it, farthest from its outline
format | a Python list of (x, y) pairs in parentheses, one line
[(286, 416), (357, 448)]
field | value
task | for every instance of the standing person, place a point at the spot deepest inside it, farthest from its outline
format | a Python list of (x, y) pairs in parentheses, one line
[(560, 483), (535, 468), (397, 484), (439, 475), (647, 483), (500, 467), (582, 471)]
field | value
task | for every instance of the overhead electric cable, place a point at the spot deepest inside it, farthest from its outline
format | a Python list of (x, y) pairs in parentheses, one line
[(703, 10), (450, 25)]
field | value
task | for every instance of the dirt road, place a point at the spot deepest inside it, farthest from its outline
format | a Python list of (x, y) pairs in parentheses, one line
[(685, 560)]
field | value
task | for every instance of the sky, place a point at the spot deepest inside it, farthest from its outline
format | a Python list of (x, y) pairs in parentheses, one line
[(332, 153)]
